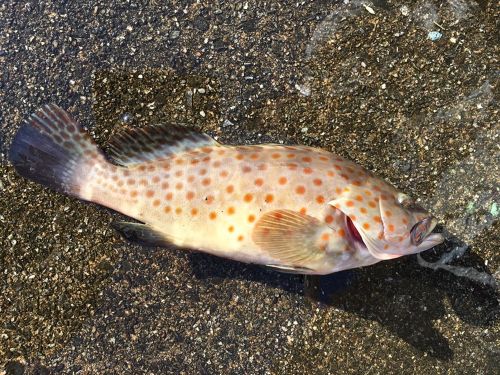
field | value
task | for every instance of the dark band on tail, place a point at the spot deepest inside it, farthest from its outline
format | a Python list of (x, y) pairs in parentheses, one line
[(50, 148)]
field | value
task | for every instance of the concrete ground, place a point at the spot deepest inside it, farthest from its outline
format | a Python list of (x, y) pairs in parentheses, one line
[(407, 89)]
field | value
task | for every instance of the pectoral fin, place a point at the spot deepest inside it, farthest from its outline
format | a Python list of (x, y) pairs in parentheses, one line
[(289, 236), (142, 234)]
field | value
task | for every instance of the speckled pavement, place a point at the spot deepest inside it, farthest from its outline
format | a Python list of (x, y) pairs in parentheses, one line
[(407, 89)]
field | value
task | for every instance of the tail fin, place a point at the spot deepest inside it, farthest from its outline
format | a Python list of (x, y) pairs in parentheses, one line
[(52, 149)]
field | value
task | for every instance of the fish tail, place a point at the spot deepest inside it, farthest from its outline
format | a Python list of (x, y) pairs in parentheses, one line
[(51, 148)]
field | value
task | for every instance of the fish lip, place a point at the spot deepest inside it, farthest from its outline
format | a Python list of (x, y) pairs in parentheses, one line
[(432, 239)]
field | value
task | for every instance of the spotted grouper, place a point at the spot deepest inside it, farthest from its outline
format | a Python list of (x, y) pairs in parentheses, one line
[(293, 208)]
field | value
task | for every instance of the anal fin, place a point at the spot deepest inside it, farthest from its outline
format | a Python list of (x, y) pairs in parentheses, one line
[(142, 234)]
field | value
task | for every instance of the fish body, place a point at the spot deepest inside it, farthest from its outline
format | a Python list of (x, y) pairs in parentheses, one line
[(294, 208)]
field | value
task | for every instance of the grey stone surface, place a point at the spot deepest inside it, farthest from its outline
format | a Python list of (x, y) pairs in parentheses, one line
[(362, 79)]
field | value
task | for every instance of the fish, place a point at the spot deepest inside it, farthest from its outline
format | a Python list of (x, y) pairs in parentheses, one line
[(292, 208)]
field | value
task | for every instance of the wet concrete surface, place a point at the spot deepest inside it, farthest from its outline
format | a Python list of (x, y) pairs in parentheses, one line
[(362, 80)]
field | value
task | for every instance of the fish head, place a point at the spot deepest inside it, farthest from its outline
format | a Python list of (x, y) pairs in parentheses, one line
[(388, 225)]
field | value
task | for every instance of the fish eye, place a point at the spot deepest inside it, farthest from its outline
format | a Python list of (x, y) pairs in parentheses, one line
[(419, 231), (408, 203)]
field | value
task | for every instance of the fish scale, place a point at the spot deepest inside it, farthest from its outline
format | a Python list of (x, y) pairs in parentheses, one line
[(294, 208)]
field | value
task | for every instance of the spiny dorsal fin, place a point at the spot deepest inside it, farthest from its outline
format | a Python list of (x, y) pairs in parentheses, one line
[(134, 146), (288, 236)]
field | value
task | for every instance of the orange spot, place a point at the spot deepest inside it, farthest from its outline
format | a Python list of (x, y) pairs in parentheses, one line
[(209, 199), (303, 210), (328, 219), (206, 159), (353, 218), (320, 199), (388, 213), (350, 170), (221, 152), (150, 193), (269, 198), (325, 236), (202, 172), (344, 176), (207, 150), (363, 210), (165, 166), (194, 211), (330, 173), (308, 170), (167, 209), (251, 218), (223, 174), (133, 193), (178, 173), (380, 236), (156, 179), (356, 183), (156, 202), (300, 189), (317, 182), (212, 215), (276, 156), (376, 188), (404, 220), (386, 247), (130, 181), (142, 168), (248, 197), (230, 210), (195, 161), (259, 182), (377, 219), (178, 210), (246, 169), (338, 191), (282, 180), (206, 181), (341, 232), (169, 196), (230, 188), (239, 156), (126, 173), (190, 178), (324, 158), (337, 167), (349, 203), (366, 226), (179, 161), (359, 198), (306, 159), (217, 164), (290, 156), (384, 197), (120, 183), (189, 195), (231, 229), (178, 186), (262, 167), (390, 227), (240, 238), (368, 192), (254, 156), (372, 204), (292, 166)]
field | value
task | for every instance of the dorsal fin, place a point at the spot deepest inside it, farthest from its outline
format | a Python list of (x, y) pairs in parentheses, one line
[(134, 146)]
